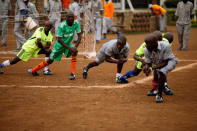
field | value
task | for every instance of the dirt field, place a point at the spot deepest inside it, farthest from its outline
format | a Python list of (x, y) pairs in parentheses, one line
[(55, 103)]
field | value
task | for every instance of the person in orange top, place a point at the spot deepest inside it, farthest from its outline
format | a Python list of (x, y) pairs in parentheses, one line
[(65, 4), (158, 10), (107, 20)]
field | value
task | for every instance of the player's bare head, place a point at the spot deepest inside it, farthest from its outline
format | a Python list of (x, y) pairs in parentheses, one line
[(158, 35), (151, 42), (26, 1), (169, 36), (70, 18), (185, 1), (48, 25), (121, 42)]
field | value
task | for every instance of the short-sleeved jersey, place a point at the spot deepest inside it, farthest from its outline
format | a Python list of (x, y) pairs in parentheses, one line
[(163, 53), (140, 51), (158, 10), (66, 32), (30, 44), (110, 49)]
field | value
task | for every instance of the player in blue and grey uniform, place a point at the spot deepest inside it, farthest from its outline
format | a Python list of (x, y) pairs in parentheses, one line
[(4, 13), (114, 51), (158, 54)]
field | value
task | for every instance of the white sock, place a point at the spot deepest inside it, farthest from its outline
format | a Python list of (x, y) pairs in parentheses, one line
[(46, 67), (6, 63), (118, 75)]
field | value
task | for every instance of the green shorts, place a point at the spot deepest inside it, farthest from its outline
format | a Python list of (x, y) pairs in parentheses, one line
[(58, 51), (25, 55)]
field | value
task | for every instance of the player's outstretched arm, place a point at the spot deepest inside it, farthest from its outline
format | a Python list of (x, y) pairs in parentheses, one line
[(79, 39)]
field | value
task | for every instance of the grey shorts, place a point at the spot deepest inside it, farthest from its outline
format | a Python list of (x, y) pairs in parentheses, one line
[(100, 58), (169, 67)]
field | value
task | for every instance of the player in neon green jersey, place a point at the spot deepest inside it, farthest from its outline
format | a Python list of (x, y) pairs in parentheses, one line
[(38, 43), (63, 44)]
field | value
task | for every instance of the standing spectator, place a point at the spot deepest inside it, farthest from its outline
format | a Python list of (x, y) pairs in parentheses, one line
[(76, 10), (184, 12), (4, 13), (65, 4), (158, 10), (108, 19), (21, 14), (33, 13), (55, 8), (98, 11)]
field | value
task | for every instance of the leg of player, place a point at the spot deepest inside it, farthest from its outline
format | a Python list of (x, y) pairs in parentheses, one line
[(86, 68), (162, 79), (167, 89), (9, 62), (46, 68), (155, 84), (40, 66), (73, 66)]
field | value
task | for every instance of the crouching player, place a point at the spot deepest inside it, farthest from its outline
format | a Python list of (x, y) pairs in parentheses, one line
[(159, 54), (63, 44), (114, 51), (38, 43)]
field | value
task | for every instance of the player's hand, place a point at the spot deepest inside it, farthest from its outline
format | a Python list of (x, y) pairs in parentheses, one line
[(147, 70), (123, 60), (73, 51)]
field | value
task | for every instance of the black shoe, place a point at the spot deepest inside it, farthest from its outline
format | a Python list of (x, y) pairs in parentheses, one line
[(85, 72), (72, 76), (47, 72), (34, 74), (152, 92)]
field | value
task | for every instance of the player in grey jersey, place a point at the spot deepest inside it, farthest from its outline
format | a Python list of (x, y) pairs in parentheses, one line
[(158, 54), (114, 51)]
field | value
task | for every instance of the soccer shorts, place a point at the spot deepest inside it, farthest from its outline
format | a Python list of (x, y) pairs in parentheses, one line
[(57, 52), (25, 55)]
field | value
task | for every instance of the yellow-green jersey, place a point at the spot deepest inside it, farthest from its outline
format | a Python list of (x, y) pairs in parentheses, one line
[(30, 44), (30, 47)]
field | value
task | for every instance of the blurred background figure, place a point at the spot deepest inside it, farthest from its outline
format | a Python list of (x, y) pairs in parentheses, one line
[(97, 8), (55, 8), (161, 12), (4, 13), (65, 4), (184, 12)]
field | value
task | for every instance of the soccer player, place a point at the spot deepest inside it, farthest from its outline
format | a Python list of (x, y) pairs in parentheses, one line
[(114, 51), (39, 43), (158, 57), (140, 62), (63, 44)]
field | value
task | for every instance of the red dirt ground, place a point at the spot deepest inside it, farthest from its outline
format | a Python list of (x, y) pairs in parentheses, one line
[(56, 103)]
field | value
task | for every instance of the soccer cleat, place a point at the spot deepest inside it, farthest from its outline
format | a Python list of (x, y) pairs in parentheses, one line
[(168, 91), (159, 98), (34, 74), (103, 38), (153, 92), (119, 34), (47, 72), (1, 72), (72, 76), (85, 72), (121, 80)]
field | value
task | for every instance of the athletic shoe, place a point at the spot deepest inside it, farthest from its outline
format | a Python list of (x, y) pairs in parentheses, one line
[(119, 34), (72, 76), (103, 38), (47, 72), (1, 72), (34, 74), (153, 92), (159, 98), (85, 72), (168, 91), (122, 80)]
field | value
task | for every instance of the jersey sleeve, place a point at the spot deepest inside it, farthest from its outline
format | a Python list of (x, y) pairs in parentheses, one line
[(140, 50), (147, 59), (38, 33), (168, 53), (109, 51)]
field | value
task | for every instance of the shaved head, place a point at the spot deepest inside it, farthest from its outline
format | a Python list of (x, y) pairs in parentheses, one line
[(151, 42), (122, 40), (158, 35), (169, 37), (48, 23)]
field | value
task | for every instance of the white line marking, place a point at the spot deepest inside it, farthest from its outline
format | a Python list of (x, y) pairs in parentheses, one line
[(141, 81)]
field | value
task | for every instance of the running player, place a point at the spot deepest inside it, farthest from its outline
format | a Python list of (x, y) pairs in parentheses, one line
[(39, 43), (114, 51), (158, 57), (63, 44)]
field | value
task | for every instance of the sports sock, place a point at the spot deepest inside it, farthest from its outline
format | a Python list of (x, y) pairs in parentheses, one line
[(5, 63), (73, 64), (155, 84), (129, 74), (40, 66), (46, 67)]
